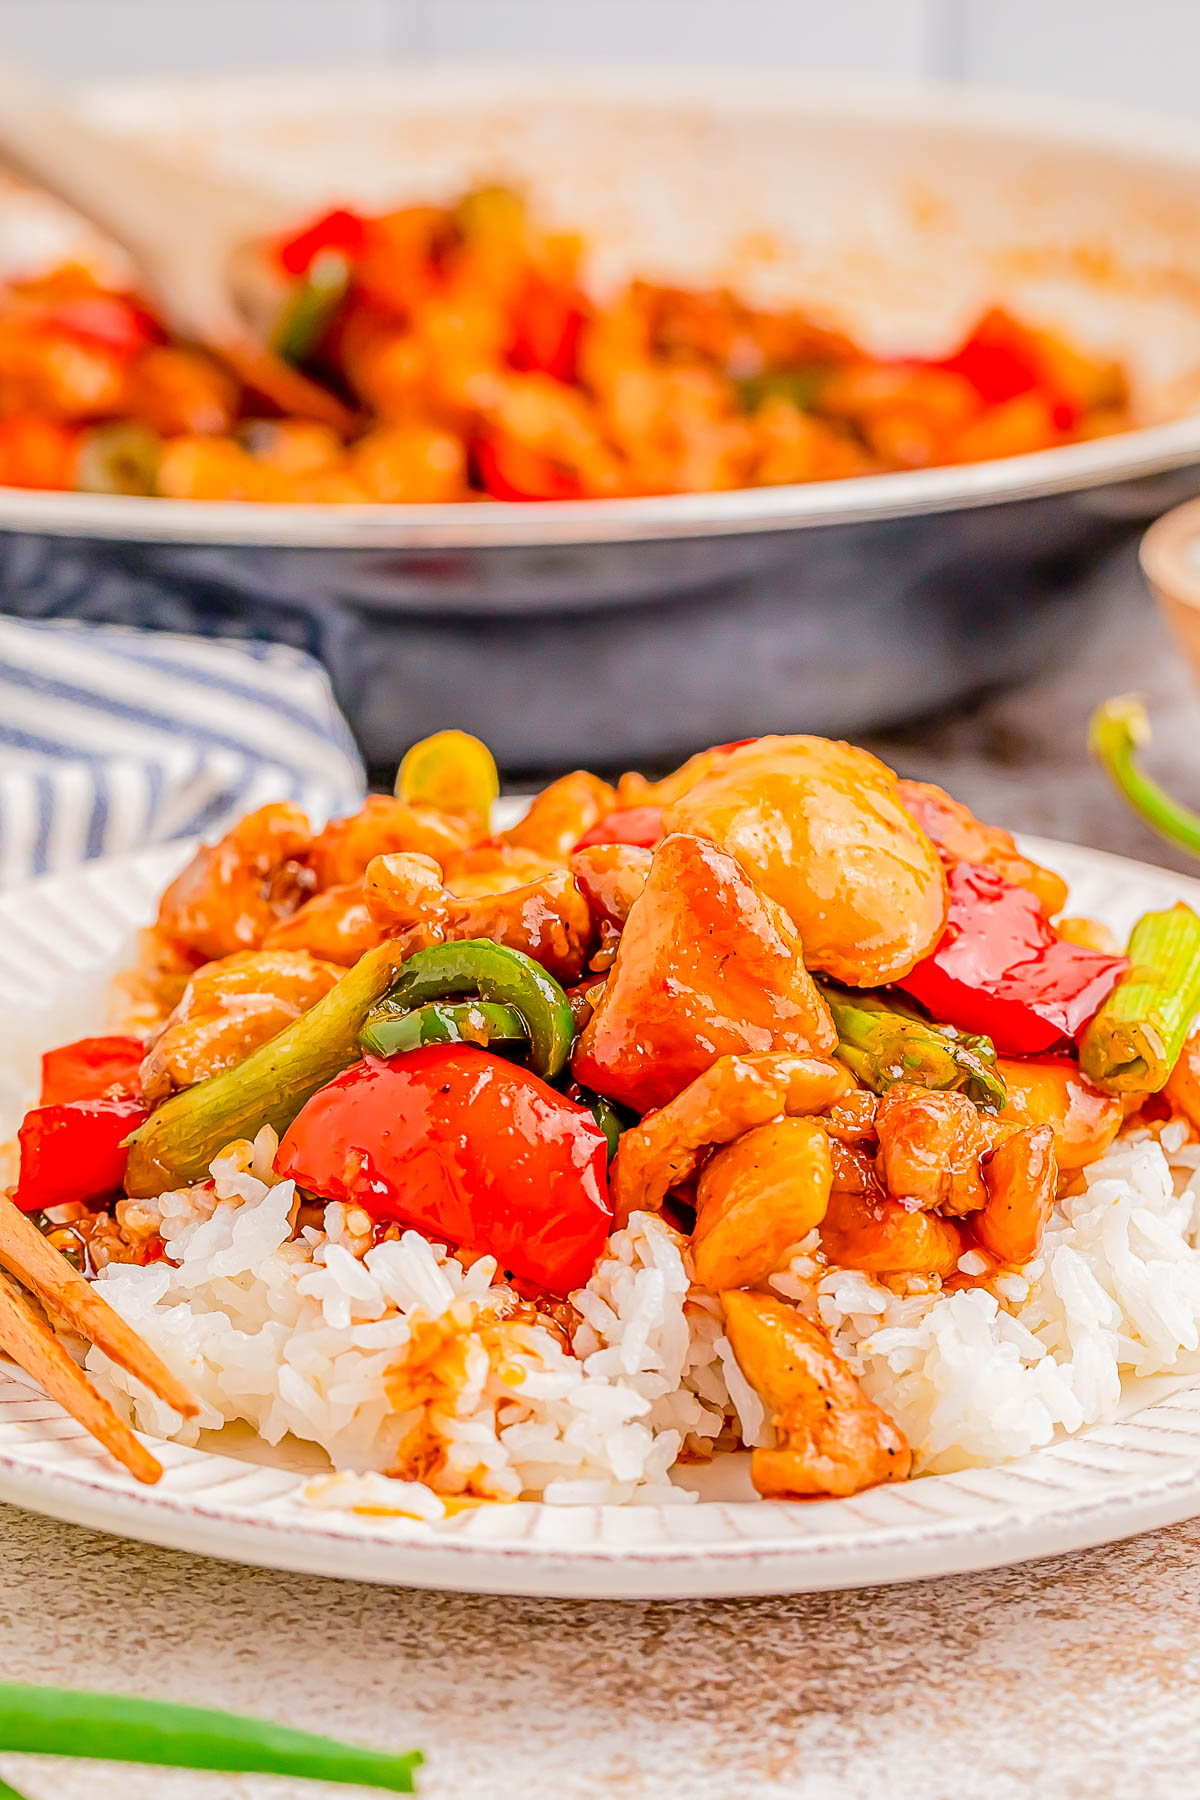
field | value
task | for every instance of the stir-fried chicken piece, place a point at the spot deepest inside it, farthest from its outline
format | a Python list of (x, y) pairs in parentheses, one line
[(864, 1228), (852, 1120), (233, 892), (634, 790), (930, 1144), (733, 1096), (548, 919), (561, 813), (830, 1438), (382, 827), (229, 1008), (1054, 1091), (820, 828), (1183, 1083), (854, 1170), (336, 926), (1022, 1181), (757, 1196), (1092, 934), (707, 967), (961, 837), (611, 877), (493, 868)]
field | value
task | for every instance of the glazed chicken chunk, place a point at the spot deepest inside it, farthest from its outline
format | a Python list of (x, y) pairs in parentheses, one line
[(708, 966), (233, 892), (830, 1438), (820, 828)]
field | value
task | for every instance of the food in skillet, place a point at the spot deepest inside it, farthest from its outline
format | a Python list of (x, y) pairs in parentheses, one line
[(466, 342), (774, 1105)]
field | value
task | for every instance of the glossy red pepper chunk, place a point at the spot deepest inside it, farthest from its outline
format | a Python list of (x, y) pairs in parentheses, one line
[(473, 1151), (638, 825), (73, 1151), (111, 320), (93, 1068), (337, 229), (512, 471), (549, 321), (1002, 360), (1001, 970)]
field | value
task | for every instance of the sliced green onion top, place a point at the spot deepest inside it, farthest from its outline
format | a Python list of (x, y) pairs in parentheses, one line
[(1134, 1040)]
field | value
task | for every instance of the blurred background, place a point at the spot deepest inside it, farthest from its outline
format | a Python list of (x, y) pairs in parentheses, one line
[(1015, 746), (1081, 48)]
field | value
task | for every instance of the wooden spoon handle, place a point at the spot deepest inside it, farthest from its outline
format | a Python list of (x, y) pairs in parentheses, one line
[(107, 181)]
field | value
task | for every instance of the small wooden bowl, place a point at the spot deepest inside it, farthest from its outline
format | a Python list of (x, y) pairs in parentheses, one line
[(1170, 558)]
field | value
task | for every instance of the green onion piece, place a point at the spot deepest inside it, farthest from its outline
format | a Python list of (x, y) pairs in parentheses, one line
[(445, 1022), (494, 972), (41, 1721), (9, 1793), (310, 309), (801, 385), (881, 1042), (180, 1138), (118, 459), (1118, 729), (1134, 1040)]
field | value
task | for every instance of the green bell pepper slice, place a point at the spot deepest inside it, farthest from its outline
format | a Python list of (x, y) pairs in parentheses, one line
[(480, 1022), (495, 973)]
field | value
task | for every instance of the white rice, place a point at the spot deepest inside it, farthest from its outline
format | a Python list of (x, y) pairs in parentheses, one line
[(989, 1373), (298, 1335)]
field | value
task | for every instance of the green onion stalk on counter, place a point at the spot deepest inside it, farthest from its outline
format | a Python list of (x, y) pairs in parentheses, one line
[(46, 1721), (1135, 1039), (1117, 731), (882, 1042)]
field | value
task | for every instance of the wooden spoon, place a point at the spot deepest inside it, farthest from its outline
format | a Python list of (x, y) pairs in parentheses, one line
[(192, 236)]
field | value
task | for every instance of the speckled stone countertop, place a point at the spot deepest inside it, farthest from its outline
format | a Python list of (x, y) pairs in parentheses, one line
[(1072, 1679)]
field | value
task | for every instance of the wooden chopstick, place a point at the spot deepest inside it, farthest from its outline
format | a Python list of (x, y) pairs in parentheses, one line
[(26, 1253), (33, 1346)]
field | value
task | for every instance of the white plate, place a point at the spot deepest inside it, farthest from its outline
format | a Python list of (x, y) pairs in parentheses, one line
[(58, 940)]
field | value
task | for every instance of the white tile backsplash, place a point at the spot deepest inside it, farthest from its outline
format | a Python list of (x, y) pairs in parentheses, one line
[(98, 38), (1142, 52), (867, 37)]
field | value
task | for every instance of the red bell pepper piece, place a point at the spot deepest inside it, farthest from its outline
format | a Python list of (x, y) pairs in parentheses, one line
[(512, 471), (37, 453), (548, 323), (1000, 969), (92, 1069), (74, 1151), (640, 825), (471, 1150), (1001, 360), (998, 358), (110, 320), (335, 230)]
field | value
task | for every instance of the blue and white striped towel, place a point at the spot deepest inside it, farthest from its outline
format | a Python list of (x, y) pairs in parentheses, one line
[(112, 739)]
